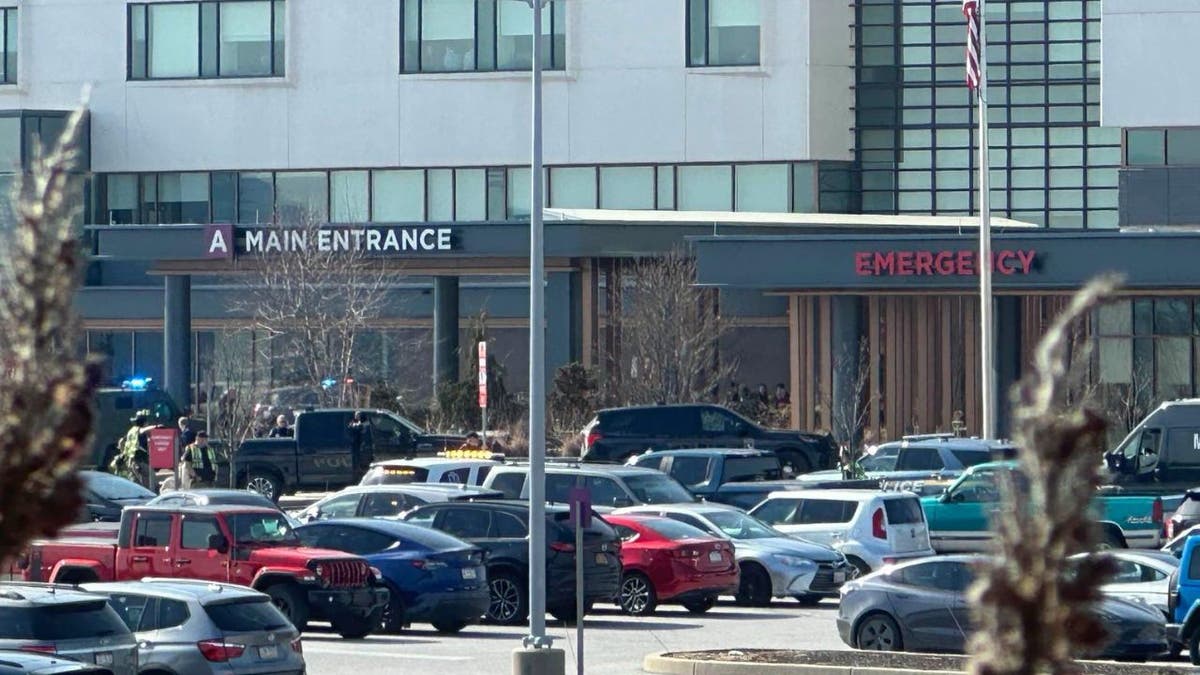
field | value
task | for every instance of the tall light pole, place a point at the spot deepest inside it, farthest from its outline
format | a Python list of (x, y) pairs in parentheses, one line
[(537, 655)]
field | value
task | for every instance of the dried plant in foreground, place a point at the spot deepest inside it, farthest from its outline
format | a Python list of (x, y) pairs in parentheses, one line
[(1030, 616), (46, 392)]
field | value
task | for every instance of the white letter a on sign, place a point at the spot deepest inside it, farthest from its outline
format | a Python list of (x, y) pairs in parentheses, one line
[(218, 242)]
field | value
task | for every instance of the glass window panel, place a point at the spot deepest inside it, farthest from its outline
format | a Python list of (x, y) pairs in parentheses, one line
[(496, 194), (1173, 367), (256, 197), (627, 187), (1066, 199), (121, 195), (705, 188), (803, 181), (1143, 317), (762, 187), (518, 193), (573, 187), (470, 194), (1172, 316), (514, 25), (1066, 156), (666, 187), (245, 38), (697, 32), (485, 50), (448, 34), (278, 54), (559, 7), (1183, 146), (733, 32), (412, 42), (149, 204), (10, 45), (1106, 177), (1028, 199), (1102, 219), (398, 196), (915, 201), (137, 41), (440, 194), (302, 197), (174, 35), (224, 196), (349, 196), (1102, 198), (1060, 178), (10, 143), (1116, 359), (208, 40), (183, 197)]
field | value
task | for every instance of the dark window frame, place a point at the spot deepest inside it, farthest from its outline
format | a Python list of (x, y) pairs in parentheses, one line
[(7, 77), (553, 65), (687, 41), (277, 65)]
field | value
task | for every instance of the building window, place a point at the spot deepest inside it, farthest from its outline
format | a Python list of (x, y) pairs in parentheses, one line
[(478, 35), (722, 32), (9, 73), (184, 40)]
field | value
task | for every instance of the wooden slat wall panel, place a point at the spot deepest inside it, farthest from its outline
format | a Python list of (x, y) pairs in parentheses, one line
[(810, 360), (945, 360), (795, 341), (971, 362), (874, 418), (824, 386)]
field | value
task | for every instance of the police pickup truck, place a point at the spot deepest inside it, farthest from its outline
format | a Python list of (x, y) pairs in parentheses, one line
[(322, 453)]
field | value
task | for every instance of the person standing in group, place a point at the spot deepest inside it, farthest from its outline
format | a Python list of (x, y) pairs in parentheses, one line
[(198, 467), (782, 398), (186, 435), (362, 450), (132, 460)]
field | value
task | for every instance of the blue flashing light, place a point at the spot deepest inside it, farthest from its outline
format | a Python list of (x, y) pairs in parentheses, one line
[(328, 383), (137, 383)]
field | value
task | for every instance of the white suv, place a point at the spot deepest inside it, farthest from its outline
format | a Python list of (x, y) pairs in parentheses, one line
[(871, 528)]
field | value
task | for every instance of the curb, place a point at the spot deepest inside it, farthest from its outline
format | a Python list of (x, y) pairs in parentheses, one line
[(665, 664)]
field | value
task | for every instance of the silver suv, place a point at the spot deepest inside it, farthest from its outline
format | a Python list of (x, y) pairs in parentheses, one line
[(63, 621), (194, 627), (609, 485)]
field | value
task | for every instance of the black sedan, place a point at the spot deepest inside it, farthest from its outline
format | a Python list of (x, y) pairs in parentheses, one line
[(921, 606), (104, 496)]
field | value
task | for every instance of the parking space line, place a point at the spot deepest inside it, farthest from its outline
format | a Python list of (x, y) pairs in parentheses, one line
[(315, 649)]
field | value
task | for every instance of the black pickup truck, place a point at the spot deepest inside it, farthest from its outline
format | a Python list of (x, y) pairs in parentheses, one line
[(321, 454)]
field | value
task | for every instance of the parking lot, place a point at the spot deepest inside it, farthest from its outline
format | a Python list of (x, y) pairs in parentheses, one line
[(614, 643)]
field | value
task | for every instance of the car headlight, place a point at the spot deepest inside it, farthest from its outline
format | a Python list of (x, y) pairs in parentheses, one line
[(793, 561)]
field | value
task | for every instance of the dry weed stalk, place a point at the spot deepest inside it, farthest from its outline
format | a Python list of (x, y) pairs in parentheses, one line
[(46, 392), (1030, 616)]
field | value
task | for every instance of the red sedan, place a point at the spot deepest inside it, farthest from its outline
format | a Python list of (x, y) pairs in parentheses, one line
[(664, 560)]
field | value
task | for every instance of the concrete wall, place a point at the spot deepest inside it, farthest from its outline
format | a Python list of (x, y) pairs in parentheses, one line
[(1147, 51), (626, 96)]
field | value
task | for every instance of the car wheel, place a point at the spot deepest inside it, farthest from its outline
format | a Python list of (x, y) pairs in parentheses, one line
[(445, 626), (508, 601), (637, 595), (358, 627), (878, 632), (393, 613), (859, 564), (793, 463), (290, 600), (265, 484), (808, 599), (755, 587), (702, 605), (1109, 541), (1194, 648)]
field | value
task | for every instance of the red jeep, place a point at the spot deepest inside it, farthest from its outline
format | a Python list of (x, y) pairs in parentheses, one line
[(251, 546)]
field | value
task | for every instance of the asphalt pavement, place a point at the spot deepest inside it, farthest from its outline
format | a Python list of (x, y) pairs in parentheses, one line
[(613, 642)]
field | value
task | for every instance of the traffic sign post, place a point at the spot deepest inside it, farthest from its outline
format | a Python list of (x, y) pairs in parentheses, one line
[(581, 515), (483, 389)]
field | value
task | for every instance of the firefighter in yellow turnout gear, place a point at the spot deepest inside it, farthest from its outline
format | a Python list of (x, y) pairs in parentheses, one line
[(133, 458)]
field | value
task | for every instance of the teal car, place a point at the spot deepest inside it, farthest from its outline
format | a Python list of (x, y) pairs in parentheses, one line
[(959, 518)]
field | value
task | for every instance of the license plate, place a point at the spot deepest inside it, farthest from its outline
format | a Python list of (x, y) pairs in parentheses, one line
[(839, 577), (268, 652), (104, 659), (470, 573), (714, 556), (601, 559)]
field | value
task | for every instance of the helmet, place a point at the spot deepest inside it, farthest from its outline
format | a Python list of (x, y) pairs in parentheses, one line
[(140, 416)]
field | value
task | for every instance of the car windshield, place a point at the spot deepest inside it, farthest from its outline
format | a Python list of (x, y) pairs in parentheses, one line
[(657, 489), (884, 459), (737, 525), (262, 528), (243, 616), (68, 621), (109, 486)]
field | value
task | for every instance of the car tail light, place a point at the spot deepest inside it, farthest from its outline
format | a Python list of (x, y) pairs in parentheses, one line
[(887, 560), (1170, 529), (562, 547), (41, 649), (877, 527), (1158, 511), (685, 553), (298, 646), (428, 564), (593, 436), (218, 651)]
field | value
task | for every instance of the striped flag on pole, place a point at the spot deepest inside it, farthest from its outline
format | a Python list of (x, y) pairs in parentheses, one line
[(970, 9)]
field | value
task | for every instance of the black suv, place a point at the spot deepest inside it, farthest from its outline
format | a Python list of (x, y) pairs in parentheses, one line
[(617, 433), (501, 528)]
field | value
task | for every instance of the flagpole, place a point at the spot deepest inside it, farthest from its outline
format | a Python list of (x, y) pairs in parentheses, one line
[(987, 338)]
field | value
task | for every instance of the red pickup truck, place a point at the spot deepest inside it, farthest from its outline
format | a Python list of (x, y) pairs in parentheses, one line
[(246, 545)]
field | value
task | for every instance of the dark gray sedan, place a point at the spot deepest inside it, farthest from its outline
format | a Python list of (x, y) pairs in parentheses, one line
[(921, 606)]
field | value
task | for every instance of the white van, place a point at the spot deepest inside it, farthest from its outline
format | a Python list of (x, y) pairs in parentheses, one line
[(871, 528)]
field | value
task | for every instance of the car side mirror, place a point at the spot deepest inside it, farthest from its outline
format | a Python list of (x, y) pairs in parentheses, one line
[(742, 429), (619, 502), (218, 543)]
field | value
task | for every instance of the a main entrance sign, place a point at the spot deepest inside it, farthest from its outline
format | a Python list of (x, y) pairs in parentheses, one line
[(226, 241), (941, 263)]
